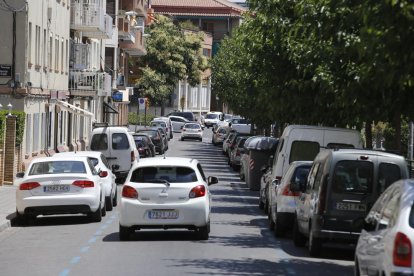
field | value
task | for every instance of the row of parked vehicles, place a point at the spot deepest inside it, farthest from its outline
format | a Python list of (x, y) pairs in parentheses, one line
[(319, 186)]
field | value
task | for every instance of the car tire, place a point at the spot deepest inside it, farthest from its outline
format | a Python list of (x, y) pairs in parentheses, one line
[(103, 210), (299, 239), (279, 227), (203, 232), (115, 200), (315, 245), (22, 219), (108, 203), (261, 203), (97, 215), (124, 233), (182, 139), (271, 222)]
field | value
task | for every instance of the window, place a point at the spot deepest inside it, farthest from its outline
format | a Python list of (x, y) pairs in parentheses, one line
[(158, 174), (387, 174), (120, 141), (43, 132), (201, 172), (57, 167), (62, 63), (28, 133), (50, 51), (67, 55), (44, 48), (352, 177), (312, 175), (37, 46), (99, 142), (301, 174), (56, 54), (36, 127), (390, 212), (339, 146), (303, 151), (411, 218), (29, 46)]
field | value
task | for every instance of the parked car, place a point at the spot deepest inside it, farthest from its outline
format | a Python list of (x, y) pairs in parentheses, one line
[(240, 125), (118, 147), (168, 122), (236, 152), (232, 144), (166, 193), (265, 184), (212, 118), (218, 135), (192, 131), (282, 204), (303, 143), (102, 166), (186, 114), (60, 185), (163, 125), (227, 141), (156, 138), (178, 122), (342, 186), (164, 136), (144, 144), (386, 243)]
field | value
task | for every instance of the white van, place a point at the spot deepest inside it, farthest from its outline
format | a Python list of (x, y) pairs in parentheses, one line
[(303, 143), (118, 146), (212, 118)]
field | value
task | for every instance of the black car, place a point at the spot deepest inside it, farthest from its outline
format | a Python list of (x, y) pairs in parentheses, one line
[(156, 138), (145, 146)]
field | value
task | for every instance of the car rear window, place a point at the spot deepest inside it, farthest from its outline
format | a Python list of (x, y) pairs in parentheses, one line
[(211, 116), (99, 142), (303, 151), (94, 161), (411, 218), (172, 174), (57, 167), (120, 141), (192, 126), (387, 174), (352, 176)]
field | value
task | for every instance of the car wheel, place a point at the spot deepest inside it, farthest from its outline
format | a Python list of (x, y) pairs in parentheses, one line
[(279, 227), (22, 219), (261, 203), (298, 238), (124, 233), (115, 200), (315, 245), (103, 210), (271, 222), (108, 203), (97, 215), (182, 139), (214, 143), (266, 206), (203, 232), (356, 267)]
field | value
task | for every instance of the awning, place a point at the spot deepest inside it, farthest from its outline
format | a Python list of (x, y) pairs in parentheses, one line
[(109, 108), (75, 110)]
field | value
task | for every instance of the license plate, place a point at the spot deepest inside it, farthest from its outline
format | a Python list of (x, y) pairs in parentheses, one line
[(351, 206), (163, 214), (56, 188)]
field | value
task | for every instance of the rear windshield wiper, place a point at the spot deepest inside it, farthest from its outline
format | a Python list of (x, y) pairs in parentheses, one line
[(158, 181)]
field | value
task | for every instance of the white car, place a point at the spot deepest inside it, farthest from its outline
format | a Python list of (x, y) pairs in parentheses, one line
[(60, 185), (386, 243), (178, 122), (192, 131), (107, 177), (166, 192), (168, 122)]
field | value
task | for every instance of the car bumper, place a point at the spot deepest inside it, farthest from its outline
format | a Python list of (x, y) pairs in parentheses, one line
[(132, 213), (192, 136), (58, 204)]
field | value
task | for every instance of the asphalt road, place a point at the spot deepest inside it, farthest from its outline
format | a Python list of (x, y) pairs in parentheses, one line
[(240, 242)]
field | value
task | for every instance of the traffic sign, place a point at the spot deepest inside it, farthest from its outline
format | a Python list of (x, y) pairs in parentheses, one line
[(141, 102)]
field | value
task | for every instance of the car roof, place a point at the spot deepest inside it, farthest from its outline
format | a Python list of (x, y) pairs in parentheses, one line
[(364, 152), (167, 161), (299, 163), (87, 153), (113, 128), (59, 158)]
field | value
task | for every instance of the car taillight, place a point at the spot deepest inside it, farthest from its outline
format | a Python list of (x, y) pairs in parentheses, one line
[(287, 192), (28, 186), (197, 191), (132, 156), (103, 174), (402, 254), (129, 192), (84, 183)]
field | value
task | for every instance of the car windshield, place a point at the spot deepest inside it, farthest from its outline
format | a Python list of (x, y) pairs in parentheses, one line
[(211, 116), (172, 174), (352, 177), (57, 167)]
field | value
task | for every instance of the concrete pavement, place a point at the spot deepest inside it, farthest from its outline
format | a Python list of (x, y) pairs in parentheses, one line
[(7, 205)]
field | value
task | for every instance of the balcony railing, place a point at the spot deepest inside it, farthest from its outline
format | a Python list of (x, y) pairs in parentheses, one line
[(79, 56), (136, 48), (89, 83), (102, 35), (88, 16)]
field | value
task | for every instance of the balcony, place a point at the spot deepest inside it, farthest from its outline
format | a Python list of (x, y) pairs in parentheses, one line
[(136, 48), (88, 16), (138, 7), (125, 31), (79, 56), (108, 30), (89, 83)]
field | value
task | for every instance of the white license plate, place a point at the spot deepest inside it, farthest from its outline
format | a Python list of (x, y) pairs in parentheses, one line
[(56, 188), (351, 206), (163, 214)]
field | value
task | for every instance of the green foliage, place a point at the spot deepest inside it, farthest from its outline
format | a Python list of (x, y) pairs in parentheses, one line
[(134, 119), (20, 124)]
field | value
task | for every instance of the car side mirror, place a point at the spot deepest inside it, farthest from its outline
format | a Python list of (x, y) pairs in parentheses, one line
[(212, 180), (20, 175), (115, 167)]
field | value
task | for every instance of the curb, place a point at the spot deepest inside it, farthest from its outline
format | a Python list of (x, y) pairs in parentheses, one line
[(5, 225)]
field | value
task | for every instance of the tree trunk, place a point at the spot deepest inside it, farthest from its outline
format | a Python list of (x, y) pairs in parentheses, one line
[(368, 135), (163, 108)]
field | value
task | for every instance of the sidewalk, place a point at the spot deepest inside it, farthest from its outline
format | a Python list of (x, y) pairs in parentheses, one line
[(7, 205)]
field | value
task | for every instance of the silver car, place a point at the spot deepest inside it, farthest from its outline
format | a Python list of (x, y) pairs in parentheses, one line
[(386, 243)]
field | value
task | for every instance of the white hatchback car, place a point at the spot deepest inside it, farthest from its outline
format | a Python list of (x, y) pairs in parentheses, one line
[(60, 185), (107, 177), (192, 131), (386, 243), (166, 192)]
